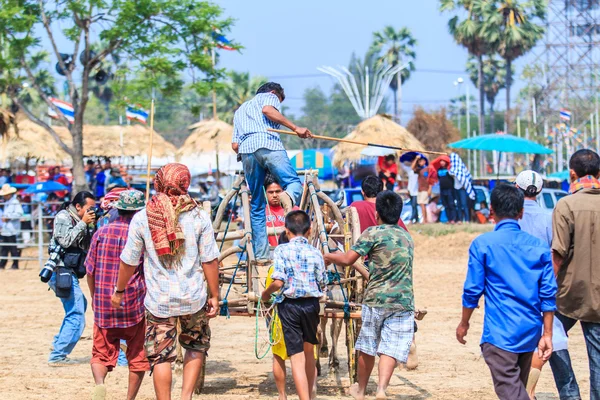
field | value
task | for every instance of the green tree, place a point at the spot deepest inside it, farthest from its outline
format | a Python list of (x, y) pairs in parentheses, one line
[(516, 26), (238, 89), (161, 39), (468, 33), (395, 47), (494, 79), (325, 115)]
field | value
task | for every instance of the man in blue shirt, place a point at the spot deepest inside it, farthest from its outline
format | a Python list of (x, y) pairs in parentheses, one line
[(514, 271), (263, 151)]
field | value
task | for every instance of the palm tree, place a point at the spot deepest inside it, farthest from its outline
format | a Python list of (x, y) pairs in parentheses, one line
[(494, 79), (469, 34), (239, 88), (393, 48), (515, 26)]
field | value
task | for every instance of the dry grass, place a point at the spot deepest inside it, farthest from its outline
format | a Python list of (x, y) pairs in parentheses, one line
[(377, 129), (208, 136), (98, 141)]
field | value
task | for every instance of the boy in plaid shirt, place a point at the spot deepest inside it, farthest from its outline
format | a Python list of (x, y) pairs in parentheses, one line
[(300, 277), (388, 308)]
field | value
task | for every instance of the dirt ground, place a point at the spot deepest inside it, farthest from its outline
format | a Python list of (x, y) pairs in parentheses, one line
[(30, 316)]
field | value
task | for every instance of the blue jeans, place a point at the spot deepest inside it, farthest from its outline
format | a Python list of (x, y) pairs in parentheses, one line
[(462, 205), (447, 196), (73, 323), (255, 169), (415, 209), (560, 362)]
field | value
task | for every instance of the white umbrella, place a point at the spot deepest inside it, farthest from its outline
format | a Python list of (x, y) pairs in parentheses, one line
[(377, 151)]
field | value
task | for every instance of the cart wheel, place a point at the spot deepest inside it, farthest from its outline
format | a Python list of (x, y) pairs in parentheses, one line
[(200, 380)]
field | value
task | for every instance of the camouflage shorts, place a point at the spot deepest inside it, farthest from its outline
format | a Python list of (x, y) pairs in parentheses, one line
[(161, 334)]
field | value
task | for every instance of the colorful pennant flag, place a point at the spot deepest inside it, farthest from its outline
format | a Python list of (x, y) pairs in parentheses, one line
[(565, 114), (66, 108), (136, 113), (222, 41)]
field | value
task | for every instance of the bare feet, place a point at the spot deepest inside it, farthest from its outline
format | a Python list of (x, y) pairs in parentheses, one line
[(381, 396), (355, 394), (413, 359)]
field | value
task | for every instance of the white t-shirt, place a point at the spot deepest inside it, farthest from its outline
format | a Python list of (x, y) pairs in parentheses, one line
[(413, 180)]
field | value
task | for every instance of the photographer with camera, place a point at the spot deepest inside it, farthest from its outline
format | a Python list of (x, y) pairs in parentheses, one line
[(73, 229)]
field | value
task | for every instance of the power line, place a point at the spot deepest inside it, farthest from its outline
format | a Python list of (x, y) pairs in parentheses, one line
[(320, 75)]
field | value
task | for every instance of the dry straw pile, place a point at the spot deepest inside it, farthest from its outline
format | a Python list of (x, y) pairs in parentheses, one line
[(378, 129), (207, 136), (98, 141)]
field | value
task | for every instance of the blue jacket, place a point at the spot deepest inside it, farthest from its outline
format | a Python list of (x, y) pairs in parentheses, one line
[(513, 270)]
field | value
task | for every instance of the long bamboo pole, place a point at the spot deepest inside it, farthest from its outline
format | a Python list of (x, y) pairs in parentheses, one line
[(359, 143), (150, 150)]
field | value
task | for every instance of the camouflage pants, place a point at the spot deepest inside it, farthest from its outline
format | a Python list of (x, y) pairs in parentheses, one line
[(161, 334)]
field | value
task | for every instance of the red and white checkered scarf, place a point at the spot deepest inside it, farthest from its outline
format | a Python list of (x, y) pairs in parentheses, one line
[(171, 199)]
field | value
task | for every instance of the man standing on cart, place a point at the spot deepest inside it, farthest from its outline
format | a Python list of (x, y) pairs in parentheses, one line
[(263, 151)]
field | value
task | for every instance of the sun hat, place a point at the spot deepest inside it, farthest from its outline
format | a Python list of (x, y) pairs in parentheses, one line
[(529, 178), (7, 189), (130, 200)]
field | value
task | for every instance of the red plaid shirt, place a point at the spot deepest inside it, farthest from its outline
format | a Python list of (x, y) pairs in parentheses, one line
[(102, 263)]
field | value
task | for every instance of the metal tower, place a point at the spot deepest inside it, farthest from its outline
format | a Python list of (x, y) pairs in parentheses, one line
[(570, 59)]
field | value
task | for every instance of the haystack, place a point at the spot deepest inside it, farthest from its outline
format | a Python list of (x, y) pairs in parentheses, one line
[(378, 129), (207, 136), (105, 141), (98, 141), (6, 120), (32, 141)]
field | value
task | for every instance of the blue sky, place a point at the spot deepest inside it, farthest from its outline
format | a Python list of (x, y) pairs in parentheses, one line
[(288, 40)]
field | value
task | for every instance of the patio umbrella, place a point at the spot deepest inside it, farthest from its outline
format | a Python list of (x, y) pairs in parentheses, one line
[(45, 187), (562, 175), (411, 155), (377, 152), (501, 142)]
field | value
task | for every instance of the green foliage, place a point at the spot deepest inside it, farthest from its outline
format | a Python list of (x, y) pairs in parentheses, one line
[(238, 89), (468, 31), (494, 76), (324, 115), (393, 47), (156, 43)]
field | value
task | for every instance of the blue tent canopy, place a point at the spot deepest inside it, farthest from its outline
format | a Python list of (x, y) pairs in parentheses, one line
[(315, 159)]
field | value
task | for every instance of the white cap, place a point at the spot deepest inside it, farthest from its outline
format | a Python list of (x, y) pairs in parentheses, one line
[(210, 179), (530, 178)]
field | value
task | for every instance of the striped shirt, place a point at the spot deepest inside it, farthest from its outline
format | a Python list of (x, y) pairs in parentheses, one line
[(250, 125), (180, 290)]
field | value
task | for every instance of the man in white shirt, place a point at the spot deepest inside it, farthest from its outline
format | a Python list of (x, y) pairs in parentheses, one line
[(413, 190), (11, 218), (180, 260)]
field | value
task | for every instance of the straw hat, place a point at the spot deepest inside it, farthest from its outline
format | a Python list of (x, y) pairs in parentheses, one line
[(7, 189)]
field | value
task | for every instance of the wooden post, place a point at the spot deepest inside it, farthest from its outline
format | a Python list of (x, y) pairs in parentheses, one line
[(150, 149)]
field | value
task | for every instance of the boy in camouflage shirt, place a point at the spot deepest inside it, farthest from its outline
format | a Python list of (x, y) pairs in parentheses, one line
[(388, 307)]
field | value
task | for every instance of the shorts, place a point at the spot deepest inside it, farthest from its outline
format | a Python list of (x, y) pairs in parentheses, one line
[(299, 319), (386, 332), (423, 198), (106, 346), (161, 334)]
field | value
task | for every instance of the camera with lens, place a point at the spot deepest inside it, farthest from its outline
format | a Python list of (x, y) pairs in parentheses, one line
[(55, 252)]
